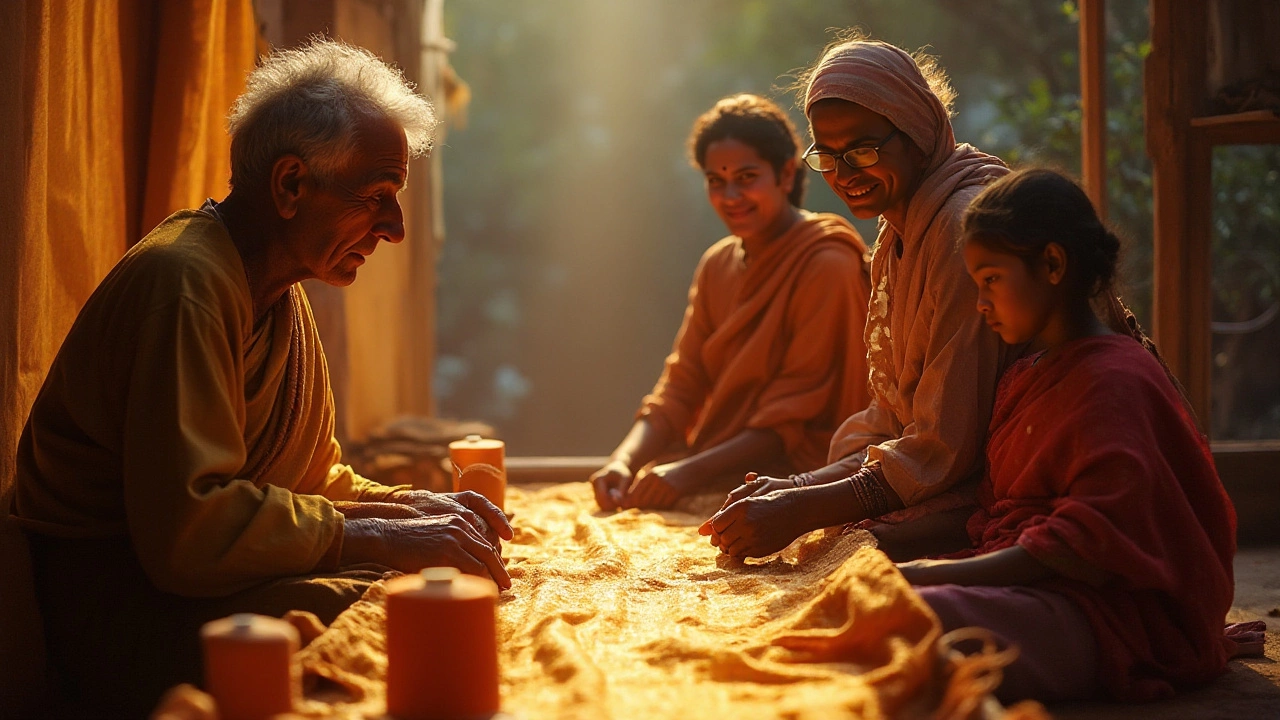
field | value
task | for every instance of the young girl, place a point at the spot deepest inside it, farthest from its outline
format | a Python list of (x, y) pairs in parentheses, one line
[(1104, 541), (769, 359)]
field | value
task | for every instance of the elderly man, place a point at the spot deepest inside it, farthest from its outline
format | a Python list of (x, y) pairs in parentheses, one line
[(179, 463)]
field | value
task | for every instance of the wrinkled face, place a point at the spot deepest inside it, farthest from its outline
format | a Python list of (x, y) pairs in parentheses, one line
[(839, 126), (744, 190), (1014, 299), (340, 223)]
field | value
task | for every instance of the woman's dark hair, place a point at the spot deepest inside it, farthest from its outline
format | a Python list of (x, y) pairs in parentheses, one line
[(1024, 211), (754, 121)]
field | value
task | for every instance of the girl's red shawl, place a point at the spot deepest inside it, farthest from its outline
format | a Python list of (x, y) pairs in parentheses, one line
[(1096, 468)]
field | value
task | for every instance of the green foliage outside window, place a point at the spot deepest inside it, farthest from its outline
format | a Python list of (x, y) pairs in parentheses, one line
[(575, 222)]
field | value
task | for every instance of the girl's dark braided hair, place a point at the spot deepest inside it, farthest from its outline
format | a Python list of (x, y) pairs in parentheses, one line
[(1026, 210)]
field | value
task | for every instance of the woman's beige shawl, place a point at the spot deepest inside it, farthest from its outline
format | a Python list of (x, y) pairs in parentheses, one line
[(933, 364)]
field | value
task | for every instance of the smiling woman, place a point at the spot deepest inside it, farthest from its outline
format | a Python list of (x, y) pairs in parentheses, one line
[(768, 361), (868, 170), (883, 142)]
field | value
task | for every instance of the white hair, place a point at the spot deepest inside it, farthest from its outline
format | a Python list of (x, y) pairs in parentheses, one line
[(310, 100)]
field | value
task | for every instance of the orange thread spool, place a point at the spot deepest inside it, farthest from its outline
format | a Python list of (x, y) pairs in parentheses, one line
[(248, 666), (480, 465), (442, 647)]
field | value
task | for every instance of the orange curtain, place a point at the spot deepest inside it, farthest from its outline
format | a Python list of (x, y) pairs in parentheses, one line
[(111, 117), (204, 51), (62, 200)]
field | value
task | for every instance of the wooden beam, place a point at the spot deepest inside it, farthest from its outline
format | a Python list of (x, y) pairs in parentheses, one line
[(530, 469), (1197, 277), (1093, 102), (1255, 127), (1174, 83), (1247, 470)]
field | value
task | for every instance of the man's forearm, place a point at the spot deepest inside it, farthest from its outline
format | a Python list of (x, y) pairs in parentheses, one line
[(361, 541)]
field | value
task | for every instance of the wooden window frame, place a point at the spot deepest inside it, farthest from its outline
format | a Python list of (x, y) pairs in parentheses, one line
[(1180, 137)]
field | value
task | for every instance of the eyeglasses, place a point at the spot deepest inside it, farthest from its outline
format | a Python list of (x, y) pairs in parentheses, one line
[(859, 157)]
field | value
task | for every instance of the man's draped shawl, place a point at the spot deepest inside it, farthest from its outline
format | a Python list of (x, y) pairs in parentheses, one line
[(1096, 468), (933, 363), (171, 418), (770, 342)]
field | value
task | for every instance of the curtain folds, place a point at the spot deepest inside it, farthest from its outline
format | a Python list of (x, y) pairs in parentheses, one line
[(112, 114), (111, 117)]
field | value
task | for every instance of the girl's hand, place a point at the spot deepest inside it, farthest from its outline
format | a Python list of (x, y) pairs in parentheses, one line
[(658, 487), (1002, 568), (925, 572), (610, 484)]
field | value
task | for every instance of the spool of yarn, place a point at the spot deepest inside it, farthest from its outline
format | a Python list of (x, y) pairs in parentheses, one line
[(479, 464), (442, 648), (248, 666)]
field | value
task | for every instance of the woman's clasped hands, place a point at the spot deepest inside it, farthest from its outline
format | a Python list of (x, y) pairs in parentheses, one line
[(758, 518)]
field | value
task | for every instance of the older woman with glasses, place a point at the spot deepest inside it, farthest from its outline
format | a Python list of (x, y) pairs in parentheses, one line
[(769, 359), (883, 141)]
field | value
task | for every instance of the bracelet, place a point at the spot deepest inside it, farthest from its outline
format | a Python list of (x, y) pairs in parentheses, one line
[(869, 492), (804, 479)]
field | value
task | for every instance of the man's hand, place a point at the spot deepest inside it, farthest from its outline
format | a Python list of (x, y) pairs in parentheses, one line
[(356, 510), (412, 544), (610, 484), (658, 487), (473, 507)]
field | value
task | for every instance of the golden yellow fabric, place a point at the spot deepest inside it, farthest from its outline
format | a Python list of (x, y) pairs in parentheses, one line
[(634, 615), (170, 417)]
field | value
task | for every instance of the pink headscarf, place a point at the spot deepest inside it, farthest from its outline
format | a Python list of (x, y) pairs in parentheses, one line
[(885, 80), (940, 436)]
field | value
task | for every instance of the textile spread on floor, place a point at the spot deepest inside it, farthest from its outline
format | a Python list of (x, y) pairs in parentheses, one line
[(635, 615)]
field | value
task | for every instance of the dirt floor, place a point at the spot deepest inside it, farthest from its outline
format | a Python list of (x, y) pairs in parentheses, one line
[(1250, 688)]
